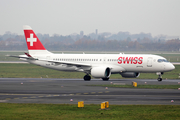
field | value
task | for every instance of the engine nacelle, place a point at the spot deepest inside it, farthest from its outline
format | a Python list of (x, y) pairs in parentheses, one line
[(101, 72), (130, 74)]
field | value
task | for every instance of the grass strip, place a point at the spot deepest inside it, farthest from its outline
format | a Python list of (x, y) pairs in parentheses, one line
[(9, 111)]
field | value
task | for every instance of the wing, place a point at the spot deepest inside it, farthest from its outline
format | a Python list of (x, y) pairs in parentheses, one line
[(69, 63), (29, 57)]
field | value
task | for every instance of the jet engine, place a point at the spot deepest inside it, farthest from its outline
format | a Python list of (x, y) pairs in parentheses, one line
[(101, 72), (130, 74)]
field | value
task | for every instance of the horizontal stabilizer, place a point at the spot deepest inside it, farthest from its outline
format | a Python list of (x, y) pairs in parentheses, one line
[(26, 56)]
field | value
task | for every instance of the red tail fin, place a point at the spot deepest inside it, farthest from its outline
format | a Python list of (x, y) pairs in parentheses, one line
[(33, 43)]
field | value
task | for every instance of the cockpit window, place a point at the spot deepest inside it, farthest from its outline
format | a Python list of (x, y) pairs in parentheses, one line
[(162, 60)]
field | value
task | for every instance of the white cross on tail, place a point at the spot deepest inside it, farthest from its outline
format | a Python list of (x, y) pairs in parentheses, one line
[(31, 39)]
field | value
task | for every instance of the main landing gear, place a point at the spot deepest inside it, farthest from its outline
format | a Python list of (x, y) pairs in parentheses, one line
[(87, 78), (160, 76), (105, 79)]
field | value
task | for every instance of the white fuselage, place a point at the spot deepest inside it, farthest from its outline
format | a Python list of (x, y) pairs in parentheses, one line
[(116, 62)]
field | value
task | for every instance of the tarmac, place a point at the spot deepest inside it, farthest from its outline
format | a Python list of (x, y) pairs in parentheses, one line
[(70, 91)]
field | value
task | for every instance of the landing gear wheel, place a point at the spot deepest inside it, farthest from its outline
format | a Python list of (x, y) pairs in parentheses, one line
[(105, 79), (160, 76), (87, 78), (159, 79)]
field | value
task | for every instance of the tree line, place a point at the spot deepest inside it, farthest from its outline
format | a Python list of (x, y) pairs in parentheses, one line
[(93, 42)]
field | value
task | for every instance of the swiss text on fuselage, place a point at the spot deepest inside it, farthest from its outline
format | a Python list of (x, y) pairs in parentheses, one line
[(130, 60)]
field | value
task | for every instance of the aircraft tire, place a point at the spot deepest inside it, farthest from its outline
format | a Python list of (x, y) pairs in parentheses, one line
[(87, 78), (159, 79), (105, 79)]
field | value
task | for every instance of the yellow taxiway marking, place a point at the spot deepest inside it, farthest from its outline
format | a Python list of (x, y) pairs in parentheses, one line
[(40, 96), (56, 95), (48, 95), (15, 94), (33, 97), (93, 92)]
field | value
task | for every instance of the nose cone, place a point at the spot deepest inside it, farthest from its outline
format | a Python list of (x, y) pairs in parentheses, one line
[(170, 67), (173, 67)]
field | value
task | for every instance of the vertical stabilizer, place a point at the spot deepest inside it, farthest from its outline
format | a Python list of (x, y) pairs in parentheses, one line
[(33, 43)]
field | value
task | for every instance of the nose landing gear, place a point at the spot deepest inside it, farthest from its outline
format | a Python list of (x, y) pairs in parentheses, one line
[(160, 76), (159, 79)]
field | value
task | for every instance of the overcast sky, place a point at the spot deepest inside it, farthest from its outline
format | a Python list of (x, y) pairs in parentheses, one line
[(65, 17)]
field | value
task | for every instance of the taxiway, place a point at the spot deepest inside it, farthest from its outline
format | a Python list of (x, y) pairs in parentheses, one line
[(70, 91)]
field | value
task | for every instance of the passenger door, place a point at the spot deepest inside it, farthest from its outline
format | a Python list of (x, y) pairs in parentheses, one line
[(149, 62)]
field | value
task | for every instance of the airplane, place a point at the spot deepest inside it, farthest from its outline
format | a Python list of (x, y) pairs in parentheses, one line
[(95, 65)]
